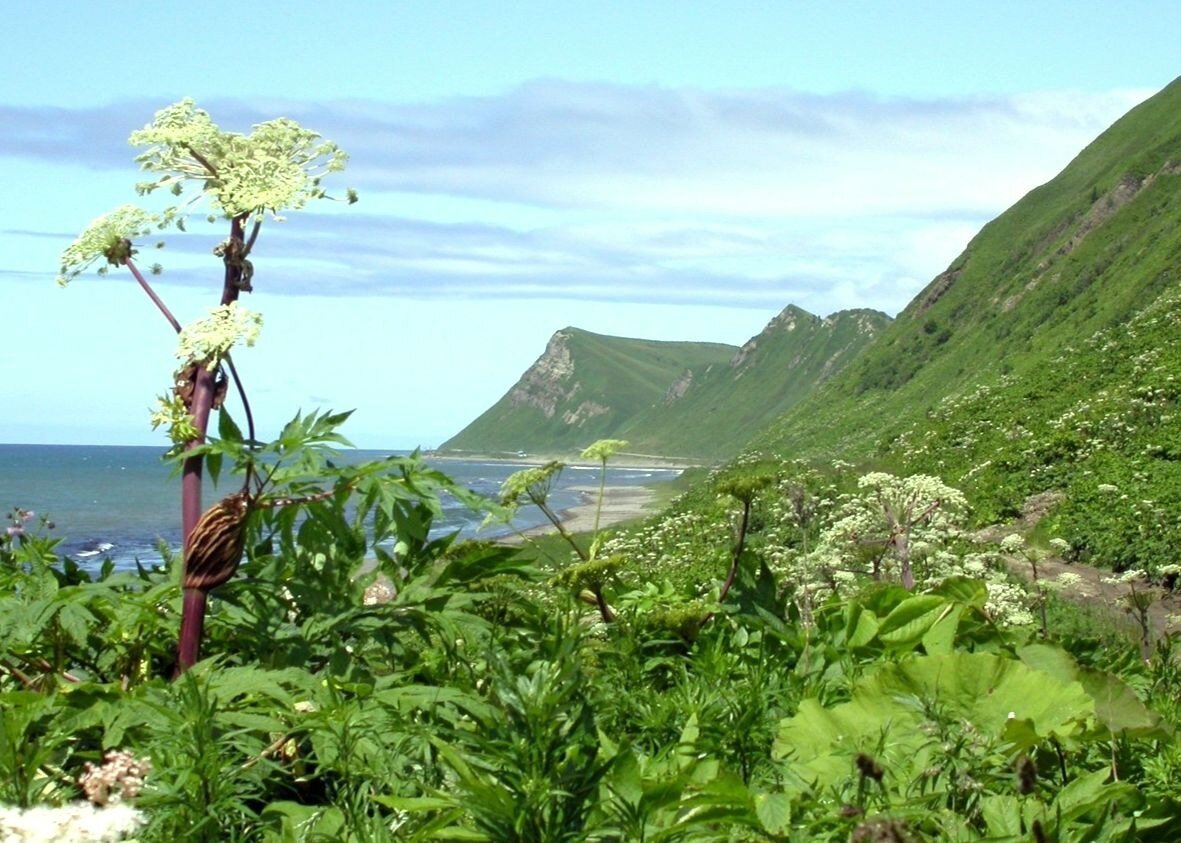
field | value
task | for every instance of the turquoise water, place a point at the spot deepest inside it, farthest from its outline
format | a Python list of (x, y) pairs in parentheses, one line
[(120, 501)]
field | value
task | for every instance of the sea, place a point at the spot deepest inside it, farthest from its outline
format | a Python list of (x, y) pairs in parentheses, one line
[(120, 502)]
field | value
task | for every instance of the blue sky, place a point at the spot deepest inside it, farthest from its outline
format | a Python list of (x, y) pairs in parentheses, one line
[(672, 170)]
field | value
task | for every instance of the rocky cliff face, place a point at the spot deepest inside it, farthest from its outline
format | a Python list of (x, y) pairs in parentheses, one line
[(549, 381)]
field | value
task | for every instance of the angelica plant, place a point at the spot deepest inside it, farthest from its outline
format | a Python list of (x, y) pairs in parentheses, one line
[(892, 513), (241, 179)]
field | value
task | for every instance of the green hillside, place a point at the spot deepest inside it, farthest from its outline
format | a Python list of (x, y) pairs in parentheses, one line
[(687, 400), (1045, 359), (1082, 253), (584, 387), (712, 413)]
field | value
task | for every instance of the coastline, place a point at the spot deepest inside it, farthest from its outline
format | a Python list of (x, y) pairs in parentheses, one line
[(621, 460), (620, 504)]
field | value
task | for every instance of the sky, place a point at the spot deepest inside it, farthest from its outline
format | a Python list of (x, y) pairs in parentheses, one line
[(666, 170)]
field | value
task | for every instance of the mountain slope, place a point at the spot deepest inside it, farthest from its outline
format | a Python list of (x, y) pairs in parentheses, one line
[(1082, 253), (711, 414), (1044, 360), (687, 400), (584, 387)]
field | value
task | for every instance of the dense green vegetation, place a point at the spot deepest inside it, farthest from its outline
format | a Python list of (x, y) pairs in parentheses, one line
[(461, 692), (724, 406), (1083, 253), (806, 649)]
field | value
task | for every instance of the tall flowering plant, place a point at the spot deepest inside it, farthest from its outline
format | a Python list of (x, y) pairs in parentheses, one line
[(241, 180)]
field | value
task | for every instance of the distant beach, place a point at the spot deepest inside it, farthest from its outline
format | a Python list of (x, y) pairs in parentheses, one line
[(620, 504)]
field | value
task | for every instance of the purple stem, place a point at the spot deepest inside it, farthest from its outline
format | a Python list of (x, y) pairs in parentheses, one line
[(143, 282), (192, 620), (737, 551)]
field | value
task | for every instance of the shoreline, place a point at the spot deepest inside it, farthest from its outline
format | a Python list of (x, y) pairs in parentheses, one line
[(620, 504), (622, 460)]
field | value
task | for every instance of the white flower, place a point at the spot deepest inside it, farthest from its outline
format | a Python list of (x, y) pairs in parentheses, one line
[(77, 822), (121, 776), (1013, 543), (207, 341), (107, 237), (379, 592)]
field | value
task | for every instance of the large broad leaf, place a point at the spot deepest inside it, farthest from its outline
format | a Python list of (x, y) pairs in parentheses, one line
[(887, 712), (964, 590), (861, 625), (940, 638), (910, 619), (1117, 708)]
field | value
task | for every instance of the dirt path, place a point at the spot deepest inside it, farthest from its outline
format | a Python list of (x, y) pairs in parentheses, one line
[(1090, 590)]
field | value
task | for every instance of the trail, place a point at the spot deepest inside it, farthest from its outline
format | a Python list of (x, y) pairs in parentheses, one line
[(1091, 590)]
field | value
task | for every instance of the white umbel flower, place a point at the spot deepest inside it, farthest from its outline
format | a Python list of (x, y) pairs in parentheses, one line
[(77, 822), (207, 340)]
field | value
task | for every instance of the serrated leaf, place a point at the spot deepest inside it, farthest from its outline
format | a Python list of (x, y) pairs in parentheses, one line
[(774, 812)]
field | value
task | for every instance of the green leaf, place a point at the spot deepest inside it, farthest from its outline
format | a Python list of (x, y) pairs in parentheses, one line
[(1119, 709), (227, 428), (1002, 815), (910, 619), (687, 745), (940, 638), (887, 710), (774, 812), (861, 625), (964, 590)]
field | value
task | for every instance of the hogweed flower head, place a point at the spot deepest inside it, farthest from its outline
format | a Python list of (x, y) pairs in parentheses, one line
[(278, 166), (110, 237), (603, 449), (1013, 543), (77, 822), (208, 340)]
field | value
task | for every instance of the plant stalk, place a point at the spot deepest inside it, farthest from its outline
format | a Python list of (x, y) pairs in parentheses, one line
[(192, 622)]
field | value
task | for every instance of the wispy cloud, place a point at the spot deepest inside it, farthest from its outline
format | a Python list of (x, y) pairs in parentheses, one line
[(755, 197)]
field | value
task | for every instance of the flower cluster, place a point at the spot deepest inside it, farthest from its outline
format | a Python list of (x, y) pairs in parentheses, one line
[(378, 593), (277, 166), (17, 520), (77, 822), (207, 341), (108, 237), (120, 777)]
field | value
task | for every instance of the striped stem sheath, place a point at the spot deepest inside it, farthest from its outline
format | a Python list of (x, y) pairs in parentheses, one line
[(214, 547)]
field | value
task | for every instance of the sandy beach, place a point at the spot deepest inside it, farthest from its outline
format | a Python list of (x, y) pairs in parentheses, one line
[(621, 460), (620, 503)]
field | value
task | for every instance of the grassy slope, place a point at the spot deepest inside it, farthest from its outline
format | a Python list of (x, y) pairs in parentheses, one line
[(625, 376), (1081, 253), (731, 393), (728, 404)]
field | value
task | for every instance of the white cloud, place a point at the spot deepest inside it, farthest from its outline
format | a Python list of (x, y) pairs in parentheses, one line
[(633, 193)]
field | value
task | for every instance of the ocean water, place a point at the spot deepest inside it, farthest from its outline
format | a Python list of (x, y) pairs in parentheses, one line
[(120, 501)]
